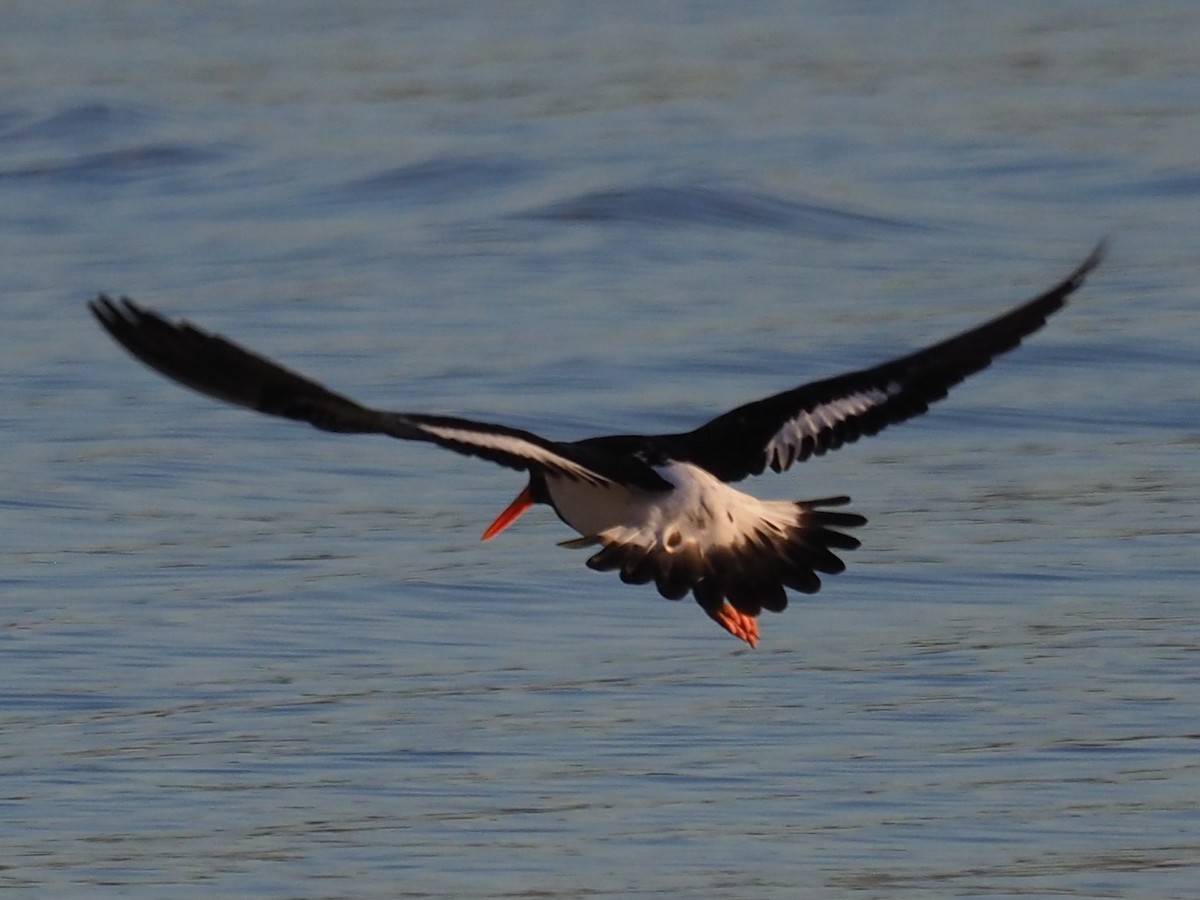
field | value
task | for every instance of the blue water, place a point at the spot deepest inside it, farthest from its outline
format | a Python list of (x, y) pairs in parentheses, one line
[(244, 659)]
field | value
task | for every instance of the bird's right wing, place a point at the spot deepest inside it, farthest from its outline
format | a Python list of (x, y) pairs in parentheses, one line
[(814, 418)]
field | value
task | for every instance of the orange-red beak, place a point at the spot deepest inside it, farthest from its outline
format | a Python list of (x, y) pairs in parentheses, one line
[(511, 514)]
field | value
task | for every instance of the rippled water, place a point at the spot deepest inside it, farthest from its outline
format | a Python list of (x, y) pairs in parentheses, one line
[(242, 659)]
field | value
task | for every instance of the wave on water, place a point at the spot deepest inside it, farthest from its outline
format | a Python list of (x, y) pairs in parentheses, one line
[(437, 179), (453, 178), (721, 207), (90, 142), (83, 122), (125, 163)]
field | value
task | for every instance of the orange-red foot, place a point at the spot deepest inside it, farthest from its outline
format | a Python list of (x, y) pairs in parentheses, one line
[(738, 623)]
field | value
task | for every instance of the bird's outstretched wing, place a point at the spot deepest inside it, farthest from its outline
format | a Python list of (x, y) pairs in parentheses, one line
[(814, 418), (218, 367)]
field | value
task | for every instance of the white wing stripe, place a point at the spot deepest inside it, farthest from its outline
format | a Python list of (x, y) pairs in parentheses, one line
[(517, 446), (783, 446)]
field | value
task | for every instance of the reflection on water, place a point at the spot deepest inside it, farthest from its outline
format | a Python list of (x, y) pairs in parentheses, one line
[(243, 659)]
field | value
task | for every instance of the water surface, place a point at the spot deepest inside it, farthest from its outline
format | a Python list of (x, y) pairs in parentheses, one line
[(245, 659)]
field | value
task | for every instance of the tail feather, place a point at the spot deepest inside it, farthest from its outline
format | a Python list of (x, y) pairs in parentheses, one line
[(787, 548)]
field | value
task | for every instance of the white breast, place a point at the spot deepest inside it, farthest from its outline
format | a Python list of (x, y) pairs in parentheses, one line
[(702, 511)]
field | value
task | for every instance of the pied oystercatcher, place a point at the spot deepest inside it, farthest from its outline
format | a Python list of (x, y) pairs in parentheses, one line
[(660, 507)]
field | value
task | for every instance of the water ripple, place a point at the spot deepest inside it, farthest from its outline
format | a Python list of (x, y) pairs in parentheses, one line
[(438, 179), (721, 207), (125, 164)]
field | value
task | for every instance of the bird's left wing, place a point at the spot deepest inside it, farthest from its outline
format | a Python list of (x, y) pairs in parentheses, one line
[(218, 367), (814, 418)]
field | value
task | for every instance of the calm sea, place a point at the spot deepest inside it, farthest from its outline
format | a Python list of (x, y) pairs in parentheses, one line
[(239, 658)]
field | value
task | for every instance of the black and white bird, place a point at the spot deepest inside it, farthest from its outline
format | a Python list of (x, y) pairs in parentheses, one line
[(659, 507)]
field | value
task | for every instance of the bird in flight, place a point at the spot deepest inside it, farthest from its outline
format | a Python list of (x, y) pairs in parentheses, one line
[(658, 507)]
